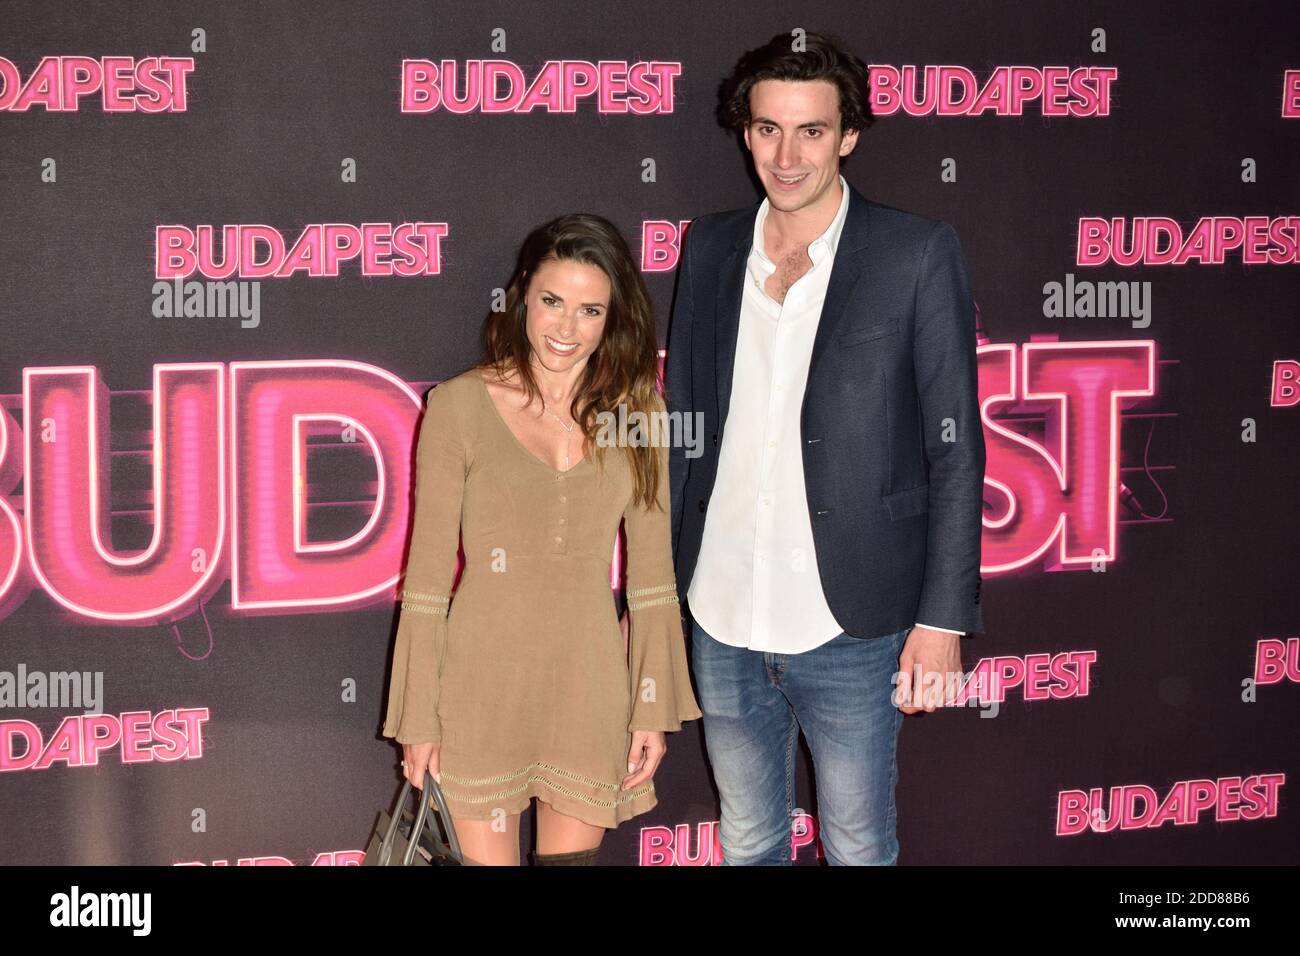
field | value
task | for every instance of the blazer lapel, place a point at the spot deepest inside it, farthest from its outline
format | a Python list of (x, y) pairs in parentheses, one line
[(847, 271), (731, 292)]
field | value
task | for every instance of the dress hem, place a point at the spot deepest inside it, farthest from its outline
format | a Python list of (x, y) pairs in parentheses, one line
[(610, 818)]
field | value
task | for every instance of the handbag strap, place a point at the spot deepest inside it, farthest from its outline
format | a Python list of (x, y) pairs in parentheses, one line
[(386, 850), (431, 789)]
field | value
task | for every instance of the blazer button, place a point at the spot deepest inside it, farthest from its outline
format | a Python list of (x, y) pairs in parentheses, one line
[(715, 438), (701, 504)]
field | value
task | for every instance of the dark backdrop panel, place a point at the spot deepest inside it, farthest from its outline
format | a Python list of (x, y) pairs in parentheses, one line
[(284, 94)]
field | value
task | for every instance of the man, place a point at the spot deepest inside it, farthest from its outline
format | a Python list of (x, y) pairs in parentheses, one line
[(828, 537)]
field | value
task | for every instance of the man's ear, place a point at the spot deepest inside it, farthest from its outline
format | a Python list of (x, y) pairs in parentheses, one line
[(848, 142)]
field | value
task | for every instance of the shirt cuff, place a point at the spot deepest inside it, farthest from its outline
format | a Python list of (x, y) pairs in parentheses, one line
[(933, 628)]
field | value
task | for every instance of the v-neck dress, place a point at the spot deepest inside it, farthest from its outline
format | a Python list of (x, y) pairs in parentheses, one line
[(522, 673)]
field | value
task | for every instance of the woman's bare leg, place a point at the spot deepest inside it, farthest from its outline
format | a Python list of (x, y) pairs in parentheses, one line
[(557, 833), (490, 842)]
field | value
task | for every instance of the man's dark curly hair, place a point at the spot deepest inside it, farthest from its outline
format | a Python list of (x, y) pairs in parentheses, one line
[(798, 56)]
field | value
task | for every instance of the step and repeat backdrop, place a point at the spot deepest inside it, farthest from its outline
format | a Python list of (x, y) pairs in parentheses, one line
[(240, 241)]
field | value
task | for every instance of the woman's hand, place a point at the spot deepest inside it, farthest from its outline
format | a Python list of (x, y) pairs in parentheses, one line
[(648, 748), (417, 757)]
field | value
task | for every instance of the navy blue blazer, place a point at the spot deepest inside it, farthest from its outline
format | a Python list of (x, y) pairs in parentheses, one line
[(893, 448)]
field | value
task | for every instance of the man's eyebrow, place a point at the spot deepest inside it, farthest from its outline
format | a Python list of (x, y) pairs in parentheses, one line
[(599, 305), (771, 122)]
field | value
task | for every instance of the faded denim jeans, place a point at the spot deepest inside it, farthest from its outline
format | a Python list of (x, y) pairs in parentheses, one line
[(840, 696)]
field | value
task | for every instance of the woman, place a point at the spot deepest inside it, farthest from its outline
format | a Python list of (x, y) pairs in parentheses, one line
[(520, 686)]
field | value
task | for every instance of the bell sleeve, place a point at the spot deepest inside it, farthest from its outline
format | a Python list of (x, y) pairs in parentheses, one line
[(440, 469), (657, 669)]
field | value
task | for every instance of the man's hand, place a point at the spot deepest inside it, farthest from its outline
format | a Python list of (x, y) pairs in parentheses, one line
[(930, 671)]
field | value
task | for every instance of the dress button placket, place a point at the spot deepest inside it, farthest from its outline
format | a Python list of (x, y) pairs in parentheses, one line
[(561, 518)]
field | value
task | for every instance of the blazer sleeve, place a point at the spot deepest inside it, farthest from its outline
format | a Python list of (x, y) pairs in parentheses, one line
[(944, 362), (659, 680), (440, 469)]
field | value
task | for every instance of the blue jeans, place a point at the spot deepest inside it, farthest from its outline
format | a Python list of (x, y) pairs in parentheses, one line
[(755, 704)]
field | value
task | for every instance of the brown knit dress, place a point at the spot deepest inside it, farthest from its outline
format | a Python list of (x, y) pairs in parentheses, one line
[(522, 673)]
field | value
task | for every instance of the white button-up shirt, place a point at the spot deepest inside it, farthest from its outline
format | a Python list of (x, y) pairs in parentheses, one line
[(756, 582)]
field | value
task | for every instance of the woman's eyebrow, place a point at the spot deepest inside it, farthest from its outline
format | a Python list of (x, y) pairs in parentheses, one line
[(600, 305)]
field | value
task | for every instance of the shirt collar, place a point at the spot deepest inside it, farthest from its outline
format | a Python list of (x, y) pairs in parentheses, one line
[(827, 242)]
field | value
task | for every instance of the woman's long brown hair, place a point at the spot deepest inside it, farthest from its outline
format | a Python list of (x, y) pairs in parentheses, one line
[(622, 370)]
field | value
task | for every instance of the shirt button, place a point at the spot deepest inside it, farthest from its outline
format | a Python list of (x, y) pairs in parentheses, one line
[(558, 539), (563, 499), (561, 521), (766, 501), (771, 444)]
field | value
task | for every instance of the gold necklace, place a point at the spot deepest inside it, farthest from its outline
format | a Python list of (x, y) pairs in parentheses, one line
[(568, 429)]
